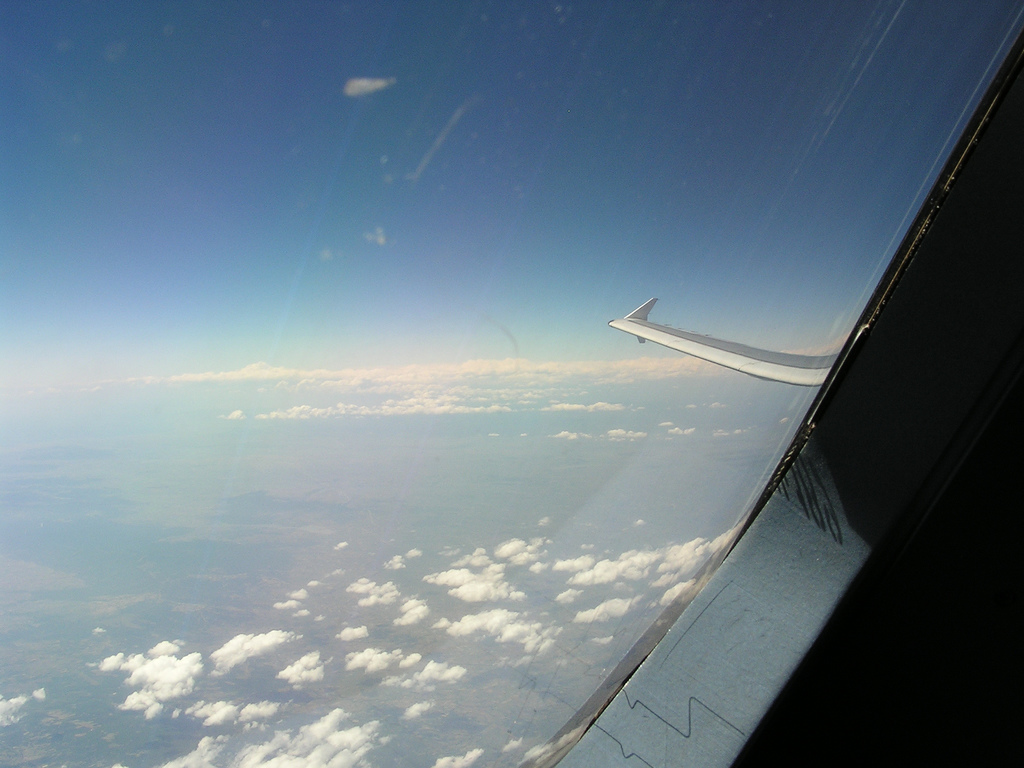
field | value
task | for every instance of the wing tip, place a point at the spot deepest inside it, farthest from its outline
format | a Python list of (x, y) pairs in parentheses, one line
[(641, 312)]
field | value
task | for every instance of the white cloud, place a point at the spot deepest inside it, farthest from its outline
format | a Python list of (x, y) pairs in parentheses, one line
[(512, 745), (505, 627), (395, 563), (39, 694), (234, 416), (410, 661), (425, 680), (609, 609), (287, 605), (353, 633), (488, 584), (242, 647), (581, 563), (99, 631), (601, 406), (602, 640), (639, 521), (341, 545), (364, 86), (298, 594), (261, 710), (214, 713), (414, 553), (568, 596), (385, 594), (456, 761), (319, 744), (159, 676), (666, 424), (413, 612), (624, 434), (478, 559), (414, 711), (300, 613), (673, 592), (634, 564), (313, 583), (566, 435), (10, 709), (307, 669), (518, 552), (372, 659), (203, 756), (544, 521)]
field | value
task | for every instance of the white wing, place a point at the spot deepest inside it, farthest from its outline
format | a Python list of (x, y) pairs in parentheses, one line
[(805, 370)]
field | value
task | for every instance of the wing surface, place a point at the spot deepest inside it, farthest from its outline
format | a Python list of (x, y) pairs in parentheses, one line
[(804, 370)]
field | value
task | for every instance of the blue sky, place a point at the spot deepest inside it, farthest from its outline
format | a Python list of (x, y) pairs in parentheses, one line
[(188, 187)]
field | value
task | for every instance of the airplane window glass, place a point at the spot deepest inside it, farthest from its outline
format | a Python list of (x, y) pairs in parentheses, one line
[(315, 443)]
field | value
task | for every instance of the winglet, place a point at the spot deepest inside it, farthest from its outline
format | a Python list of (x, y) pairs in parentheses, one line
[(641, 312)]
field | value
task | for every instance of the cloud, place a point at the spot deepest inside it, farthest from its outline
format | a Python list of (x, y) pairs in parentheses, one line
[(158, 675), (413, 612), (395, 563), (203, 756), (505, 627), (581, 563), (609, 609), (414, 711), (488, 584), (632, 565), (526, 375), (214, 713), (364, 86), (410, 661), (262, 710), (341, 545), (414, 553), (478, 559), (322, 743), (39, 694), (99, 631), (673, 592), (385, 594), (623, 434), (602, 640), (568, 596), (353, 633), (518, 552), (600, 406), (298, 594), (433, 672), (372, 659), (307, 669), (377, 237), (566, 435), (429, 405), (242, 647), (456, 761), (234, 416), (544, 521), (287, 605), (10, 709)]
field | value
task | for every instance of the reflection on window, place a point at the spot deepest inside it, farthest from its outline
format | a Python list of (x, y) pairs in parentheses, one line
[(316, 443)]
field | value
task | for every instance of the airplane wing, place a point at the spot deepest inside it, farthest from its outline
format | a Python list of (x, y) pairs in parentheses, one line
[(805, 370)]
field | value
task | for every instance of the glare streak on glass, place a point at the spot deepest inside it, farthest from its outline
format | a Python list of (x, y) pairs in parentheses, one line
[(314, 441)]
